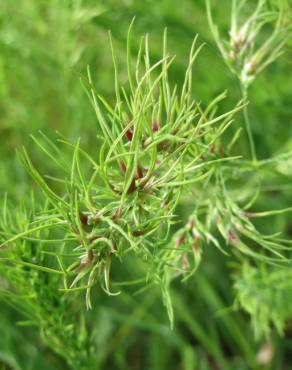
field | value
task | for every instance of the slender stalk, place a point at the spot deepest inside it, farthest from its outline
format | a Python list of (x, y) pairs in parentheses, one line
[(248, 125)]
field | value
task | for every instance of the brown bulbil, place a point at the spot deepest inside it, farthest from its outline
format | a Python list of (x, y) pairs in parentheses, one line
[(86, 260), (132, 187), (155, 126), (138, 175), (89, 256), (138, 232), (179, 240), (129, 134), (139, 172), (122, 166), (83, 219)]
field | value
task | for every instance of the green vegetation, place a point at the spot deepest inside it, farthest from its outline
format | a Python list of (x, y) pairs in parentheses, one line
[(146, 166)]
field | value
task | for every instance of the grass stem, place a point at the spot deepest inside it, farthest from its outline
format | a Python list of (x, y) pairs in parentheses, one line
[(248, 126)]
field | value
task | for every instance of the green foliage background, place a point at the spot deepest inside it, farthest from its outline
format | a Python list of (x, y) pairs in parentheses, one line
[(45, 47)]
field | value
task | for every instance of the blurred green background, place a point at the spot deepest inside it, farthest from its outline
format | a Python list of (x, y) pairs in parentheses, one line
[(45, 47)]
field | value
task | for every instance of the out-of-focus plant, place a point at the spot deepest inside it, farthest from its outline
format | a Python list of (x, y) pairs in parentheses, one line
[(255, 41), (266, 294), (250, 49), (31, 287), (257, 38)]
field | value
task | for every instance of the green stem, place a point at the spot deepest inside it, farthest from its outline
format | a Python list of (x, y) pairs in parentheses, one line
[(248, 126)]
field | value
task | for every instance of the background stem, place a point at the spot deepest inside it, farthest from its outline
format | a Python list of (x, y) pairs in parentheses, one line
[(248, 126)]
